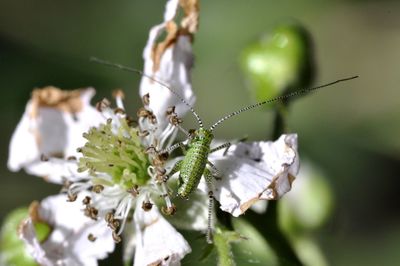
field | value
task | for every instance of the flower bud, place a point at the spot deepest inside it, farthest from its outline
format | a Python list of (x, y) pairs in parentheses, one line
[(279, 63)]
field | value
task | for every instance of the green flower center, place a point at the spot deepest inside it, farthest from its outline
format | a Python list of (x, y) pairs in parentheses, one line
[(118, 154)]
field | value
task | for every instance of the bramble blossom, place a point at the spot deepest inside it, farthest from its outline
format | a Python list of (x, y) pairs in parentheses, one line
[(113, 167)]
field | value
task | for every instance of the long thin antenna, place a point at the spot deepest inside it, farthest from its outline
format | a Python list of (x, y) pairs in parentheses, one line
[(282, 97), (129, 69)]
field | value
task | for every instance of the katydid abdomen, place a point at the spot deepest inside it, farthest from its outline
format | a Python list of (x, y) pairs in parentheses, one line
[(194, 162)]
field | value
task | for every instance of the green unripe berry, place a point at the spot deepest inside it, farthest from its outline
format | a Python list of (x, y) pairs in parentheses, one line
[(280, 62)]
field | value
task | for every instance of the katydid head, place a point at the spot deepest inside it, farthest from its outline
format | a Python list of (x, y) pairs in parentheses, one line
[(204, 135)]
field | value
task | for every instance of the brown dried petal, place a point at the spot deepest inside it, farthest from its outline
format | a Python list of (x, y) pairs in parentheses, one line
[(191, 9), (67, 101)]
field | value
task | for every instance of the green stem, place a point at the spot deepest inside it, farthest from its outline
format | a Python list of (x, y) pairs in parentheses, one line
[(280, 125), (223, 246)]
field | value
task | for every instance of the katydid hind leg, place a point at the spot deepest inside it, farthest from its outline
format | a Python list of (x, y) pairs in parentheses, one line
[(215, 172), (220, 147), (209, 179)]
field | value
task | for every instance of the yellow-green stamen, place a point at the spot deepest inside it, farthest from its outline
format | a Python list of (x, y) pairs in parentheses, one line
[(116, 152)]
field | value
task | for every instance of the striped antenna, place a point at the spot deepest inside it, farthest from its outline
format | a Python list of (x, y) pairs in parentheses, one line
[(279, 98), (125, 68)]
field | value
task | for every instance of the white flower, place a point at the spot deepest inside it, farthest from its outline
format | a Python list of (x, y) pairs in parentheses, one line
[(254, 171), (72, 239), (49, 132)]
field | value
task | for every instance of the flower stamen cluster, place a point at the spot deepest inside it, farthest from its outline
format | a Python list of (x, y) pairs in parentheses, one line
[(118, 154), (157, 141)]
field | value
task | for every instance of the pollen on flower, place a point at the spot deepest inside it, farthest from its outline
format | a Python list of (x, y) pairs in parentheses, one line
[(86, 200), (112, 222), (169, 210), (145, 113), (103, 104), (71, 158), (116, 237), (44, 158), (134, 191), (91, 238), (98, 188), (91, 212), (119, 111), (173, 116), (147, 205), (116, 152), (72, 197)]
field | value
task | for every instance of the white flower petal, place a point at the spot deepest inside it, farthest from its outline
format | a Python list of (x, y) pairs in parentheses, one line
[(56, 170), (53, 129), (255, 171), (157, 241), (24, 144), (68, 242), (170, 9), (27, 233), (171, 64)]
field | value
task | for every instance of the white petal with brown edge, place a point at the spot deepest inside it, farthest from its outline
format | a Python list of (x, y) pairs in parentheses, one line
[(51, 128), (157, 241), (170, 62), (255, 171), (68, 242)]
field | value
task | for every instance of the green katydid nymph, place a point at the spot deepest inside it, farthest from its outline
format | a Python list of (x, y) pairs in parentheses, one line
[(197, 147)]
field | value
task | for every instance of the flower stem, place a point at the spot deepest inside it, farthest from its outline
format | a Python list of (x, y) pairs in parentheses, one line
[(222, 243), (280, 125)]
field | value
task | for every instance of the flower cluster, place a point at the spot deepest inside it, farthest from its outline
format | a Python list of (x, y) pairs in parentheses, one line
[(113, 168)]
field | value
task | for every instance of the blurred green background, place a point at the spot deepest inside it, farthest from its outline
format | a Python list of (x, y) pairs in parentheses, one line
[(350, 131)]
